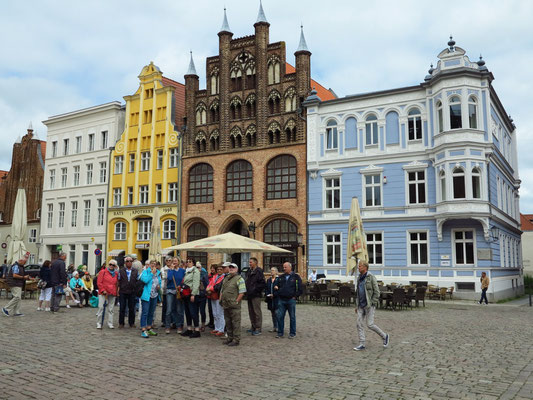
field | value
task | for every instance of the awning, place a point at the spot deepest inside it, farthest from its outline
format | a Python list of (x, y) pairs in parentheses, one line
[(166, 252), (114, 253)]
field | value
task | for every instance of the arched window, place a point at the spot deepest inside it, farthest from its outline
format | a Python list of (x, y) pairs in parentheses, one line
[(214, 141), (274, 134), (274, 102), (371, 130), (332, 139), (251, 132), (250, 106), (273, 71), (290, 131), (214, 82), (392, 128), (201, 114), (201, 145), (442, 179), (250, 75), (120, 231), (195, 232), (281, 232), (239, 177), (215, 112), (235, 137), (236, 78), (455, 113), (201, 184), (440, 119), (476, 183), (472, 112), (458, 176), (290, 100), (169, 229), (351, 132), (414, 121), (281, 177), (235, 108)]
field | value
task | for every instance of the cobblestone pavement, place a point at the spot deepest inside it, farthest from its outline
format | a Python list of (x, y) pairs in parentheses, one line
[(442, 351)]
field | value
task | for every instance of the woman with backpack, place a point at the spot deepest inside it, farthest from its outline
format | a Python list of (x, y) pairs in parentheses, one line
[(213, 291), (151, 277), (202, 295)]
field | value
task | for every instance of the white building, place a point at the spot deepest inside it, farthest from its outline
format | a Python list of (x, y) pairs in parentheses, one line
[(74, 205)]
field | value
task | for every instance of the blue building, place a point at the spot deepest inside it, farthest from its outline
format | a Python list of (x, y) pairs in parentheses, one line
[(435, 169)]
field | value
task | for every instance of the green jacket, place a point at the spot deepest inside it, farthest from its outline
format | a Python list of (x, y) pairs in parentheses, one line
[(371, 291), (192, 279)]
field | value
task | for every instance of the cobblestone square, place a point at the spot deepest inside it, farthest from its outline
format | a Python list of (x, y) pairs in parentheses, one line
[(446, 350)]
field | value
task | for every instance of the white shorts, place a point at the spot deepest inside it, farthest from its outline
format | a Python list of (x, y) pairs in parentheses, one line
[(46, 294)]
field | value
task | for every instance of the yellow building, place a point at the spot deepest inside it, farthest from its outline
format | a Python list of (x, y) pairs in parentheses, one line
[(146, 166)]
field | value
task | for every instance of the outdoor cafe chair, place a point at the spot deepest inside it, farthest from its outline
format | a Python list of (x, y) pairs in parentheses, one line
[(345, 295), (420, 295), (409, 297), (450, 292), (398, 298), (442, 293)]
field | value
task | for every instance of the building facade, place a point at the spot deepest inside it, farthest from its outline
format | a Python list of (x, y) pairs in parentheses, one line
[(76, 183), (244, 146), (145, 166), (435, 169), (526, 224), (26, 172)]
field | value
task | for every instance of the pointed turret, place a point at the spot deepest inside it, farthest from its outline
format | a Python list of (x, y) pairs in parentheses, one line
[(192, 68), (30, 127), (261, 15), (225, 26), (303, 44)]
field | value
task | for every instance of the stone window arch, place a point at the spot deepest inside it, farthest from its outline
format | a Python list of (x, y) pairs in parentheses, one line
[(239, 181), (274, 133), (201, 142), (235, 136), (214, 140), (251, 136), (250, 74), (236, 77), (250, 104), (455, 113), (274, 70), (214, 111), (290, 131), (214, 81), (201, 114), (281, 177), (197, 231), (236, 108), (201, 184), (458, 179), (274, 99), (290, 100)]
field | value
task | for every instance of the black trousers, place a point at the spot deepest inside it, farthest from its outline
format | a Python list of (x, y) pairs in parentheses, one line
[(164, 310), (87, 296), (129, 301)]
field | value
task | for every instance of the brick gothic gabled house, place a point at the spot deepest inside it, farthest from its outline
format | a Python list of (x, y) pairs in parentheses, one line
[(244, 161)]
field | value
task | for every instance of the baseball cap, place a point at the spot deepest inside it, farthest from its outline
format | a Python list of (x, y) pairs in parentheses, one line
[(233, 265), (226, 264)]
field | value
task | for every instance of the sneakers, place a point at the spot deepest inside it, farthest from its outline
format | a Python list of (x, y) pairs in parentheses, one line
[(273, 330), (77, 301), (110, 326), (151, 332), (144, 335), (279, 336), (214, 332), (227, 341), (186, 333), (5, 312), (47, 309), (167, 331), (98, 325), (219, 334), (386, 341), (233, 344), (250, 330), (292, 336), (360, 347), (68, 306), (19, 315), (256, 333), (195, 334), (40, 309)]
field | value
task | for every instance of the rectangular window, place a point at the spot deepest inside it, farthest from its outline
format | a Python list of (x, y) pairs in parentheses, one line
[(72, 254), (159, 159), (147, 116), (372, 190), (143, 234), (101, 212), (78, 144), (50, 216), (415, 127), (32, 238), (333, 193), (132, 163), (374, 244), (103, 172), (91, 142), (333, 249), (371, 133), (418, 248), (85, 254), (145, 161), (76, 175), (87, 213), (172, 192), (332, 139), (61, 223), (158, 193), (63, 177), (417, 187), (143, 194), (65, 147), (89, 174), (117, 196), (130, 195), (119, 161), (54, 149), (52, 178), (464, 247), (104, 139), (173, 158), (74, 214)]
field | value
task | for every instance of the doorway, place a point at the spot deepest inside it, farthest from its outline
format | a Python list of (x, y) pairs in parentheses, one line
[(241, 259), (144, 255)]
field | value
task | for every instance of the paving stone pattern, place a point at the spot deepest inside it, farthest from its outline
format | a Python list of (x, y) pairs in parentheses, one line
[(442, 351)]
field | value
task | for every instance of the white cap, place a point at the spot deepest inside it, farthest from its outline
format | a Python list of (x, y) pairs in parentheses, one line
[(226, 264)]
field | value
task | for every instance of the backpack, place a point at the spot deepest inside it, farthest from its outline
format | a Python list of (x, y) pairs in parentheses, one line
[(139, 288)]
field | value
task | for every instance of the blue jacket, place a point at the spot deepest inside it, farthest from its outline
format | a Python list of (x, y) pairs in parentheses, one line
[(178, 277), (289, 286), (147, 277), (205, 280)]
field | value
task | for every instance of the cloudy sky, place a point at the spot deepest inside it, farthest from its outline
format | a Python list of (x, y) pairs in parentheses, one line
[(63, 55)]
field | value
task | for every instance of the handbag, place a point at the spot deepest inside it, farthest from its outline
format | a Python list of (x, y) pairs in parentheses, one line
[(93, 301), (41, 284), (139, 288), (178, 292), (59, 290)]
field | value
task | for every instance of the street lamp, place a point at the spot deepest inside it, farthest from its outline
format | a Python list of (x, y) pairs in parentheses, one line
[(301, 243), (251, 228)]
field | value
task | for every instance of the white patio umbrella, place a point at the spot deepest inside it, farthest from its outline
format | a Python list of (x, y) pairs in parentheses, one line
[(229, 243), (356, 239), (155, 237), (18, 229)]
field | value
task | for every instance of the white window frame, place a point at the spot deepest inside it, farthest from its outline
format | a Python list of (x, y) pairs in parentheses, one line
[(159, 159), (66, 144), (380, 174), (442, 184), (172, 192), (168, 232), (332, 136), (473, 175), (103, 171), (73, 213), (145, 161), (104, 136), (119, 164), (117, 197), (418, 241), (32, 236), (412, 118), (78, 144), (329, 192), (464, 241), (101, 212), (87, 213), (338, 243), (119, 231), (90, 145), (144, 193), (373, 123), (130, 195), (173, 157), (144, 228), (454, 103), (158, 193), (54, 149), (89, 176), (50, 222), (64, 177), (52, 178), (463, 174), (61, 221), (72, 254), (131, 162), (76, 175), (439, 117), (376, 242), (475, 104), (416, 182)]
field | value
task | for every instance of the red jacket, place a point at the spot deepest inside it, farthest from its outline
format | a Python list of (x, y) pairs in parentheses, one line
[(107, 283)]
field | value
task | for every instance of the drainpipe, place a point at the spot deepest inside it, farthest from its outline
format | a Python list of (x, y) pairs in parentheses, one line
[(104, 251)]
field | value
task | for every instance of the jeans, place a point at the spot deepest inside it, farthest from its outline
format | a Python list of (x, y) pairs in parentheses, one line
[(211, 316), (201, 302), (56, 299), (483, 296), (290, 306), (148, 311), (172, 310), (191, 311), (164, 308), (368, 314), (274, 312), (218, 316), (127, 301)]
